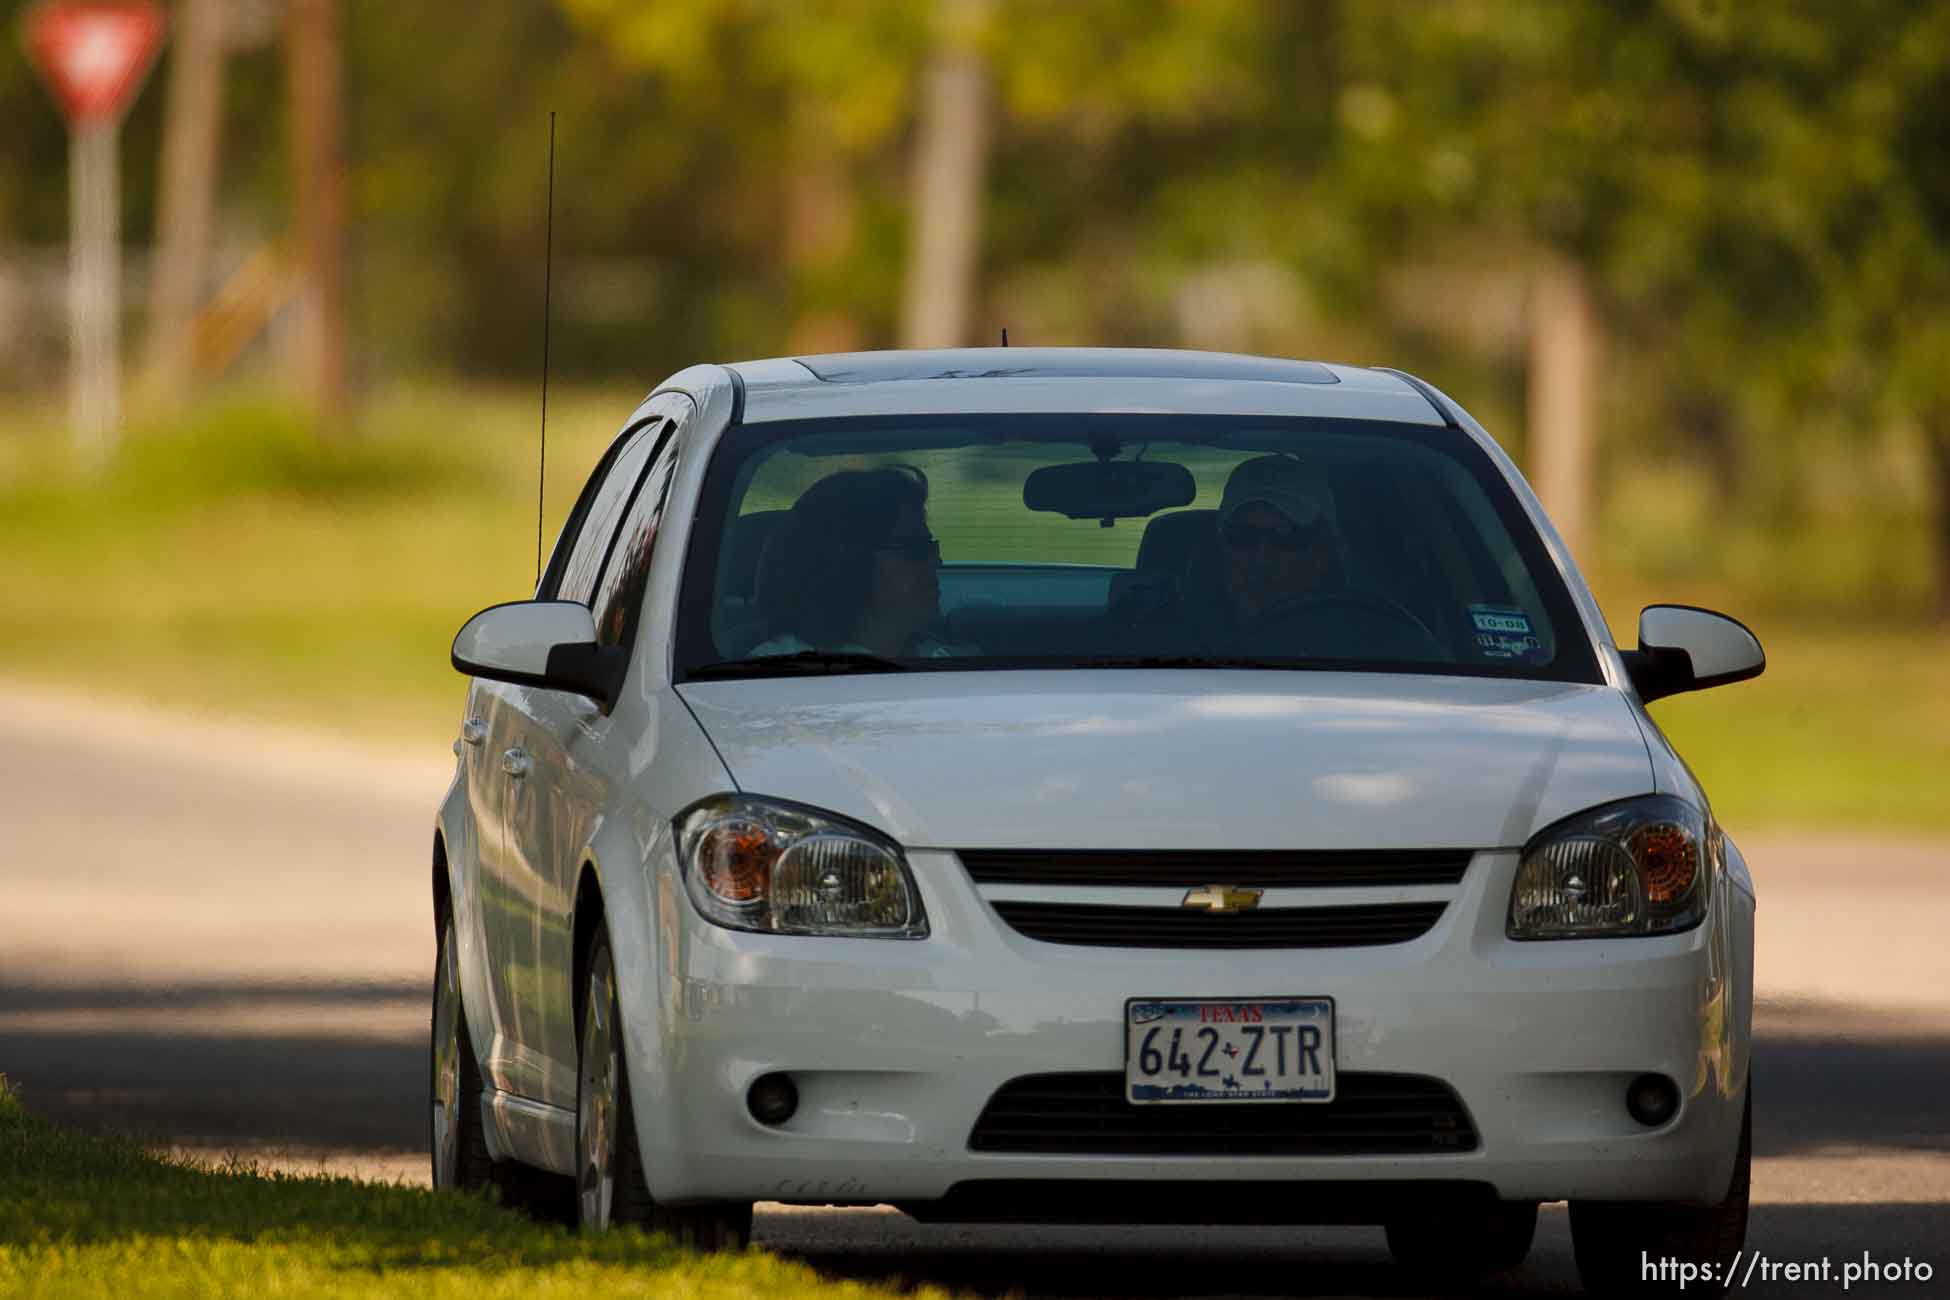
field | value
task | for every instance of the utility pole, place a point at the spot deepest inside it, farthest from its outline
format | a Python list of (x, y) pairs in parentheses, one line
[(192, 133), (950, 165), (316, 76), (1564, 343)]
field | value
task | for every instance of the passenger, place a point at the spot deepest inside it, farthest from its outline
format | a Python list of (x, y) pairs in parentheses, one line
[(853, 568)]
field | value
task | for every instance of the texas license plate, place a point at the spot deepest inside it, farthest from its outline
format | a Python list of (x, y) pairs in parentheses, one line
[(1262, 1049)]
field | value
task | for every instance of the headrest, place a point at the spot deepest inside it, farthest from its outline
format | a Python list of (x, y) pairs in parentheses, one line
[(744, 544), (1170, 539)]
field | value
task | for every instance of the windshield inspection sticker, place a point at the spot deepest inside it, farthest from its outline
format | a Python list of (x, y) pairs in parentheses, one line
[(1504, 632)]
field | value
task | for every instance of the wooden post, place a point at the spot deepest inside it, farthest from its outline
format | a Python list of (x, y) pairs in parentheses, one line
[(192, 132), (95, 286), (1563, 389), (316, 75)]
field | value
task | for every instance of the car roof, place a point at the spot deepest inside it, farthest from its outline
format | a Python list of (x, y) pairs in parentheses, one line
[(1111, 380)]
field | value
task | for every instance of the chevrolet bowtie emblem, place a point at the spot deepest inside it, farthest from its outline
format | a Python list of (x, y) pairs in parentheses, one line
[(1223, 898)]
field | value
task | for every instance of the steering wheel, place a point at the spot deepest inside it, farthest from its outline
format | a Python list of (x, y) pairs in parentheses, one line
[(1312, 608)]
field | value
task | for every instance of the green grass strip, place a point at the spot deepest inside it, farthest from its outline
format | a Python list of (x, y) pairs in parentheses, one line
[(89, 1216)]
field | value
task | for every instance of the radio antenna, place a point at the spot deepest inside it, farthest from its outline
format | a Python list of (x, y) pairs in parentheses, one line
[(548, 286)]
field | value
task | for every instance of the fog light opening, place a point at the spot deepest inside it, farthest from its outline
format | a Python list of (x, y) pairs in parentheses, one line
[(1652, 1099), (773, 1099)]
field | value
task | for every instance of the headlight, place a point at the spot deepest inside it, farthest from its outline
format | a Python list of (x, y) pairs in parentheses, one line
[(1640, 866), (760, 864)]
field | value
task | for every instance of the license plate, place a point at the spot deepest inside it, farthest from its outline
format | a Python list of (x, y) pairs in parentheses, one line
[(1256, 1049)]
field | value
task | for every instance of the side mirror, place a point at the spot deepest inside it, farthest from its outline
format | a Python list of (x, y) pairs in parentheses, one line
[(545, 643), (1682, 648)]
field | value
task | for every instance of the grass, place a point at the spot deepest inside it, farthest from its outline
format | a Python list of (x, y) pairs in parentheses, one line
[(239, 563), (89, 1216), (1844, 729)]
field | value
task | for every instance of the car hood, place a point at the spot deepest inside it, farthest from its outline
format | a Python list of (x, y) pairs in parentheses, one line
[(1180, 759)]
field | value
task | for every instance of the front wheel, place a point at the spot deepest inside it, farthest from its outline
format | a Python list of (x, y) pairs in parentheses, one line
[(456, 1135), (610, 1184), (1640, 1249)]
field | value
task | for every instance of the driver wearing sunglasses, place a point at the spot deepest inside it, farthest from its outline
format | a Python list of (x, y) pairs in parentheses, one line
[(1276, 538), (1284, 587)]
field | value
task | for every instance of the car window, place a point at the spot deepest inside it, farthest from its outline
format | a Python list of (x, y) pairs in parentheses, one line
[(600, 512), (619, 596), (937, 542)]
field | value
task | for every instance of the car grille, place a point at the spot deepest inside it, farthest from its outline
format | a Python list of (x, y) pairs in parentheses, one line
[(1092, 925), (1086, 1115), (1192, 868)]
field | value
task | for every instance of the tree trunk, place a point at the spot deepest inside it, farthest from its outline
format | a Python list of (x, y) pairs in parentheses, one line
[(1936, 437), (1563, 391), (950, 162), (192, 136), (819, 224), (316, 73)]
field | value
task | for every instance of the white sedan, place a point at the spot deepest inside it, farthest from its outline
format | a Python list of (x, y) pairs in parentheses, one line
[(1047, 785)]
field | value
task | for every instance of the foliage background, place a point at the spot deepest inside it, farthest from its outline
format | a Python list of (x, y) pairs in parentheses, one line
[(1758, 195)]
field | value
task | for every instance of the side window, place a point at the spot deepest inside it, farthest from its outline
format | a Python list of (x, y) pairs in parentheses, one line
[(619, 601), (585, 562)]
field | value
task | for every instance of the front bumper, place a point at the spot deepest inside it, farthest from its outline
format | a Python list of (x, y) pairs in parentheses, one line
[(896, 1047)]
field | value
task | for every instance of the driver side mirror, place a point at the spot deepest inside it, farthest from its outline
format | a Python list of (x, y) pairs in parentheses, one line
[(1683, 648), (545, 643)]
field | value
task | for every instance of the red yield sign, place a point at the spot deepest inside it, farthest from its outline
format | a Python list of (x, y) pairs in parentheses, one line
[(94, 56)]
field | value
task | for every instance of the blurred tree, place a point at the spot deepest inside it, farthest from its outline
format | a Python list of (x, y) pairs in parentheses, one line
[(951, 154), (1118, 121), (1760, 193), (808, 96)]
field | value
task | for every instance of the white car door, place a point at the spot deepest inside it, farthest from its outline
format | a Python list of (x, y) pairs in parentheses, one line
[(514, 882), (552, 811)]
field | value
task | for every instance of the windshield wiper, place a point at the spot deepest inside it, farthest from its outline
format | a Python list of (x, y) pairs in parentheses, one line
[(802, 663), (1178, 661)]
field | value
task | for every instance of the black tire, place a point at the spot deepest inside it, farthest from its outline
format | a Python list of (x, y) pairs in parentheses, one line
[(1463, 1247), (1612, 1239), (710, 1227), (472, 1167)]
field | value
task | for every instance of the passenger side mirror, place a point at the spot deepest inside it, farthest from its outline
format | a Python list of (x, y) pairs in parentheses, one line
[(545, 643), (1683, 648)]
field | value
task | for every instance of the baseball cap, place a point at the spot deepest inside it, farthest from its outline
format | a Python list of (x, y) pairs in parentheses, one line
[(1282, 483)]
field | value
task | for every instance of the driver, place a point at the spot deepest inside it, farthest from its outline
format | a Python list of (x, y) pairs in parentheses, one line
[(1277, 540), (1283, 577)]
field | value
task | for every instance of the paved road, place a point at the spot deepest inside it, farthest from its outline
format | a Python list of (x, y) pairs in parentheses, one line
[(263, 988)]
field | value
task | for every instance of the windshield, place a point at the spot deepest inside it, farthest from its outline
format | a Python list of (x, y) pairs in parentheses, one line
[(914, 543)]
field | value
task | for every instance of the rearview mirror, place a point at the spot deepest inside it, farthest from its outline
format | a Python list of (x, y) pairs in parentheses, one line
[(545, 643), (1683, 648), (1109, 489)]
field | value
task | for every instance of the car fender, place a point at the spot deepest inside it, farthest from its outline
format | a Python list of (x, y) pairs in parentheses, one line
[(632, 851)]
